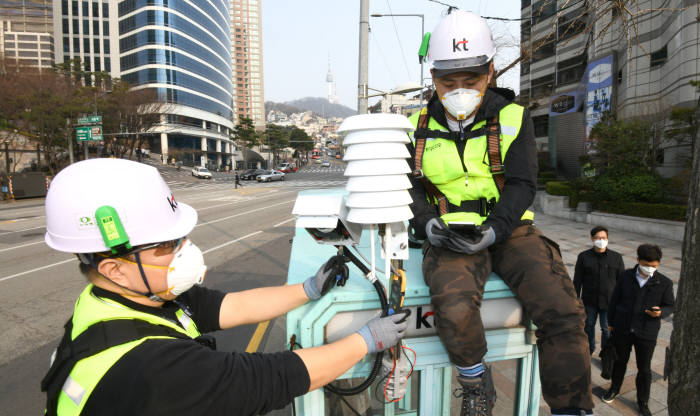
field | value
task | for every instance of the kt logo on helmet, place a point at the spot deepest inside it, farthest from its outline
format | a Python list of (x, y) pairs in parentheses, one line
[(172, 202), (456, 45)]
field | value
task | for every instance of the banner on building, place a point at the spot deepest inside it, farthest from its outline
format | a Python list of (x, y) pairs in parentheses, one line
[(599, 91), (563, 104)]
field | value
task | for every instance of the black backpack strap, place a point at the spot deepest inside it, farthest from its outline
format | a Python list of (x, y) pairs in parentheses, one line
[(95, 339), (493, 144)]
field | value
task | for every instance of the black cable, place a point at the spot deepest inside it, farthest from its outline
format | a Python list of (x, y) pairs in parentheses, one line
[(380, 355)]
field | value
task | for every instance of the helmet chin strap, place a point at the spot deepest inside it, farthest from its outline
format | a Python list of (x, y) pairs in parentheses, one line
[(150, 295)]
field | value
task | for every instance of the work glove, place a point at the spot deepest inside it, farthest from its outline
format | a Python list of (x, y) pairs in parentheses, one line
[(332, 272), (440, 235), (437, 232), (384, 332)]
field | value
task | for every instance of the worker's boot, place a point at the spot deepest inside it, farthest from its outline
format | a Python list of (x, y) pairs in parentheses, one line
[(477, 393)]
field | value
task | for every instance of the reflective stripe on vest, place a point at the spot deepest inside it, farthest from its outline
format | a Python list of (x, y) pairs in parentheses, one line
[(442, 166), (90, 309)]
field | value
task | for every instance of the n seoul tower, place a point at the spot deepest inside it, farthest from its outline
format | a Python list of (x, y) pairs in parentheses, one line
[(329, 80)]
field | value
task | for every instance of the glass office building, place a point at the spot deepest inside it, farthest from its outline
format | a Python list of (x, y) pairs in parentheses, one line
[(182, 50)]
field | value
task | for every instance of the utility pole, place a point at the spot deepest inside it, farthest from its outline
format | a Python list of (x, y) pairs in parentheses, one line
[(363, 59), (69, 136)]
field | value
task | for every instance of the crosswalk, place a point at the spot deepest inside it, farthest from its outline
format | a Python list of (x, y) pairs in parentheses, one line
[(318, 169), (214, 185)]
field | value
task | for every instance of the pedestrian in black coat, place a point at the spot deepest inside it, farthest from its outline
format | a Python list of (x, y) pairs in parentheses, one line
[(640, 300), (596, 274)]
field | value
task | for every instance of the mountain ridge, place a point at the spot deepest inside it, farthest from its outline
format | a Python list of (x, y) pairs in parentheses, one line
[(317, 105)]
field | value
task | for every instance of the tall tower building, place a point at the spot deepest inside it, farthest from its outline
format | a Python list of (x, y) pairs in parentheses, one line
[(26, 33), (329, 81), (246, 60), (181, 50)]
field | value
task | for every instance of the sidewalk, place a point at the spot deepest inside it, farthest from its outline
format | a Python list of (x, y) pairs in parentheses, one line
[(573, 238)]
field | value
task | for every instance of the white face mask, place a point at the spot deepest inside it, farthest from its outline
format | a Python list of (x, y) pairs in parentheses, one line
[(186, 269), (461, 103), (647, 270), (601, 244)]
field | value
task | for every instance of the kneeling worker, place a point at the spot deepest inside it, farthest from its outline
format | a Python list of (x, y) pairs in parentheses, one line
[(134, 344)]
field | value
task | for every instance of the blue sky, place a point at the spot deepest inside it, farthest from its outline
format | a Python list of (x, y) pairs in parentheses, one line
[(298, 37)]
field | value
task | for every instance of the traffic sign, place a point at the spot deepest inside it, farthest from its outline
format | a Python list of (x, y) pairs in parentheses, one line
[(88, 133), (83, 133), (90, 120)]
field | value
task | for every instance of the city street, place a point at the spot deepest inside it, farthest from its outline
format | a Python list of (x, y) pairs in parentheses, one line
[(244, 234), (245, 237)]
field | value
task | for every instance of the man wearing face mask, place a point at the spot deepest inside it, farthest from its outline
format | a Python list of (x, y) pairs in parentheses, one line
[(474, 175), (597, 271), (135, 342), (642, 297)]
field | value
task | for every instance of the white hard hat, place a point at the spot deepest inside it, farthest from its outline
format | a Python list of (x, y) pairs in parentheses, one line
[(461, 42), (142, 200)]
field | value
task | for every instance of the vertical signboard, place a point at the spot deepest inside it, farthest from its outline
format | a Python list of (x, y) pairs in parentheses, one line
[(599, 90)]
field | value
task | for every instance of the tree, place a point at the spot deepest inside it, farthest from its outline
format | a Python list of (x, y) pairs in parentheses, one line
[(129, 115), (299, 140), (621, 147), (684, 359), (245, 135), (276, 138)]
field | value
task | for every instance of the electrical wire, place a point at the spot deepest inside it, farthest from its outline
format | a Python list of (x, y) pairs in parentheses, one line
[(381, 53), (509, 19), (408, 72)]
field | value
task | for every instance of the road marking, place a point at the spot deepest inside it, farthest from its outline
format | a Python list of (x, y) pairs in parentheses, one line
[(244, 213), (37, 269), (276, 225), (257, 337), (272, 194), (8, 222), (19, 231), (20, 246), (230, 242)]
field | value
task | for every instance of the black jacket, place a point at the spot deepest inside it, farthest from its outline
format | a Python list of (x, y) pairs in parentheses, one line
[(520, 169), (595, 276), (629, 301)]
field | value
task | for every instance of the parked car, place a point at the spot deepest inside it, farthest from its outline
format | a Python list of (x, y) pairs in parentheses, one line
[(337, 155), (326, 164), (318, 161), (251, 174), (293, 166), (201, 172), (271, 175), (284, 167)]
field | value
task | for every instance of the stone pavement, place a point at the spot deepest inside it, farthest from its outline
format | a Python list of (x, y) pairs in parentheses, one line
[(573, 238)]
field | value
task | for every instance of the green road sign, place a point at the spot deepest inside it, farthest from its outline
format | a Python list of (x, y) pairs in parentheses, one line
[(90, 120), (87, 133)]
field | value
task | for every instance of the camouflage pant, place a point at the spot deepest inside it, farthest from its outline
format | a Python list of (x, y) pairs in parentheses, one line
[(532, 267)]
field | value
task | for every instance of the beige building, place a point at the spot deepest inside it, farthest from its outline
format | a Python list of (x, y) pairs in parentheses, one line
[(26, 32), (247, 61)]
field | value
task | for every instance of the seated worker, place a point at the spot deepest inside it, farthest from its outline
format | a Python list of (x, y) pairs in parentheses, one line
[(134, 345), (475, 163)]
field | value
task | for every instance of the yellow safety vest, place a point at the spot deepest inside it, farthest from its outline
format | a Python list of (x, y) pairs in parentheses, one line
[(87, 373), (441, 164)]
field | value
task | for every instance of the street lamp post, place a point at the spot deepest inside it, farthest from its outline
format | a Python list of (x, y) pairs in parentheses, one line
[(422, 33)]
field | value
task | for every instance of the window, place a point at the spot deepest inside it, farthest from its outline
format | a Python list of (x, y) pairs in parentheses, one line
[(74, 7), (525, 30), (86, 45), (571, 24), (542, 86), (96, 27), (66, 26), (542, 10), (96, 45), (85, 9), (66, 45), (106, 46), (105, 9), (64, 7), (108, 67), (524, 67), (541, 125), (76, 27), (95, 9), (76, 46), (543, 51), (97, 65), (86, 27), (105, 28), (524, 4), (658, 58), (571, 70)]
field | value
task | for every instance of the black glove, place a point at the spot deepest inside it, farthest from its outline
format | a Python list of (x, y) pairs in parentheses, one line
[(333, 272), (440, 235)]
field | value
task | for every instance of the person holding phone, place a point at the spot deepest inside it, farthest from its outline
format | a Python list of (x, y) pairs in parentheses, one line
[(641, 298)]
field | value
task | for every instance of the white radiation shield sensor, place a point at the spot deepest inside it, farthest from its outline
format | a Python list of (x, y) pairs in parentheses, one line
[(323, 214)]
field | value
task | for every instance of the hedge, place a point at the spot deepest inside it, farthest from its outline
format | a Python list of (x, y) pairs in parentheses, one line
[(558, 188), (643, 209)]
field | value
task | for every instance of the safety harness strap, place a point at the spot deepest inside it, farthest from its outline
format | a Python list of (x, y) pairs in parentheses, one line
[(493, 144), (420, 137), (95, 339)]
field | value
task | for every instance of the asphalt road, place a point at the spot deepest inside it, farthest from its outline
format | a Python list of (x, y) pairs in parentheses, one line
[(244, 233)]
